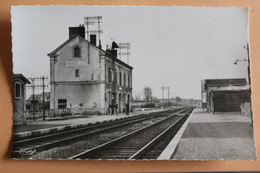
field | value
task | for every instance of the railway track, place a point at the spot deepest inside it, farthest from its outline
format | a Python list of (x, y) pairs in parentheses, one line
[(145, 143), (41, 143)]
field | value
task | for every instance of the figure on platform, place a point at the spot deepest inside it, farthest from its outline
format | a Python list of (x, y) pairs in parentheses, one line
[(115, 109), (127, 108)]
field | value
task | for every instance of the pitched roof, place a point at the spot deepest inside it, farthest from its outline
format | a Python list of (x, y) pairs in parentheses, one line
[(105, 52), (61, 46), (20, 76), (225, 82), (40, 96)]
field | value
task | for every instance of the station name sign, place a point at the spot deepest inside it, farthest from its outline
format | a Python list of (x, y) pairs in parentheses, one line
[(76, 63)]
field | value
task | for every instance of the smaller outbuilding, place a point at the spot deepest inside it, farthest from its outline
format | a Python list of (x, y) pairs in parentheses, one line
[(19, 82), (35, 102), (224, 95)]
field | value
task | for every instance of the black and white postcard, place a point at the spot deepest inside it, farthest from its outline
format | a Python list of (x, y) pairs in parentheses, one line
[(131, 83)]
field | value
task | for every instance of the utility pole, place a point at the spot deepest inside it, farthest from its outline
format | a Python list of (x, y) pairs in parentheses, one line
[(169, 96), (164, 88), (43, 98), (163, 95), (92, 20), (41, 84), (126, 46), (33, 89), (249, 79)]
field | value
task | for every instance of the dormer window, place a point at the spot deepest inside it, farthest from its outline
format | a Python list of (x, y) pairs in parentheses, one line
[(17, 90), (77, 52)]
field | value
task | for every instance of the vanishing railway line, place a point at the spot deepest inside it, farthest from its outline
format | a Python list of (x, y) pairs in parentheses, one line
[(145, 143), (48, 141)]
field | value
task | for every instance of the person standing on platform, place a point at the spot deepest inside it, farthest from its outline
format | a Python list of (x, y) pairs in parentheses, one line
[(127, 108), (115, 109)]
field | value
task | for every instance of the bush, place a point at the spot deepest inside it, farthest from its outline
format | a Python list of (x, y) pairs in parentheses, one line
[(90, 113), (148, 105)]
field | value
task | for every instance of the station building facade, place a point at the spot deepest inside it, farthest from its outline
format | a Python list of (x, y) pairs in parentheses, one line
[(224, 95), (85, 78)]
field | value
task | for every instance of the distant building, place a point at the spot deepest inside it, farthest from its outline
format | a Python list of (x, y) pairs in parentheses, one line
[(19, 82), (224, 95), (37, 102), (85, 78)]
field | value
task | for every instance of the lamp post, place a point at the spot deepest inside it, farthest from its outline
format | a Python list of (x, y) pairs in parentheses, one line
[(249, 80), (248, 66)]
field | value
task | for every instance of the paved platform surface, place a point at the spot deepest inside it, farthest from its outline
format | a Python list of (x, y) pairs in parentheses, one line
[(43, 125), (219, 136)]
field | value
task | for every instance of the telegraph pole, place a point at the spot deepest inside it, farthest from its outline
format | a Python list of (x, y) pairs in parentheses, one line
[(41, 84), (168, 88), (126, 46), (33, 89), (92, 20), (169, 96), (163, 95), (43, 98), (249, 79)]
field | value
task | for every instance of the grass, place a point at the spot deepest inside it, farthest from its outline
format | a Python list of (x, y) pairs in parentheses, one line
[(246, 109)]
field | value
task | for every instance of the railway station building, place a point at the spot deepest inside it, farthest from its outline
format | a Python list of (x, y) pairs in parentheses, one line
[(86, 79), (224, 95)]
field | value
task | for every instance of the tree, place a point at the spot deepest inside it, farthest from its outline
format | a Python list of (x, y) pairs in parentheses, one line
[(147, 93)]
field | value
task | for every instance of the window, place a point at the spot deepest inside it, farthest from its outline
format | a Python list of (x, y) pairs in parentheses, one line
[(109, 74), (17, 89), (124, 80), (62, 103), (115, 77), (129, 81), (77, 73), (120, 78), (77, 52)]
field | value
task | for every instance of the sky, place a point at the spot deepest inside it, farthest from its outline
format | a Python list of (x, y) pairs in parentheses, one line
[(170, 46)]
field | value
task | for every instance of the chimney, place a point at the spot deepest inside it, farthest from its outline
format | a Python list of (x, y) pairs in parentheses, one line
[(80, 30), (93, 39), (114, 49), (114, 45), (112, 52)]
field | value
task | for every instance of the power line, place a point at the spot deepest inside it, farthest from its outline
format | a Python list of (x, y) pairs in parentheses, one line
[(38, 83), (92, 20), (126, 46)]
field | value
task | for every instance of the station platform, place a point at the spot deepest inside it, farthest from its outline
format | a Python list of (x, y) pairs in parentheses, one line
[(43, 127), (218, 136)]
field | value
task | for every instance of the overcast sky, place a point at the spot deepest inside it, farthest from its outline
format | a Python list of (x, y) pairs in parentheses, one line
[(170, 46)]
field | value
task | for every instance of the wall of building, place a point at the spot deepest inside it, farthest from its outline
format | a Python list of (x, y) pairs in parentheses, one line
[(81, 97), (64, 66), (122, 92), (19, 106), (229, 101)]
